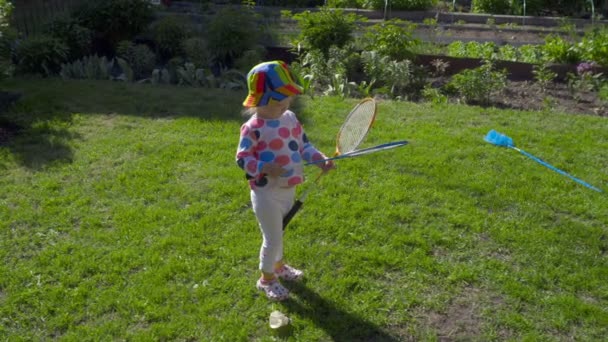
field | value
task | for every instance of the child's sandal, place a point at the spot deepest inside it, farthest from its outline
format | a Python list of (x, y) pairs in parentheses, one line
[(289, 273), (273, 289)]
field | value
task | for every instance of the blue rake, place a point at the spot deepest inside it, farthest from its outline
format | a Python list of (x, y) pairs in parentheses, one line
[(500, 139)]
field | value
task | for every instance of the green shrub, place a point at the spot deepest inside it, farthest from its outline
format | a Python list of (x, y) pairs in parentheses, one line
[(492, 6), (594, 46), (232, 32), (76, 37), (41, 54), (7, 39), (479, 84), (393, 38), (407, 5), (197, 52), (603, 94), (507, 53), (560, 50), (543, 76), (398, 79), (325, 28), (249, 59), (114, 20), (347, 3), (139, 56), (533, 7), (89, 67), (530, 54), (169, 34), (319, 71)]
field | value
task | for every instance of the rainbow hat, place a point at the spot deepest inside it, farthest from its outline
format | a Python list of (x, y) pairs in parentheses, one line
[(270, 81)]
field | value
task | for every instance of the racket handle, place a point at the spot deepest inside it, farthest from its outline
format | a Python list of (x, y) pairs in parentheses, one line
[(292, 212)]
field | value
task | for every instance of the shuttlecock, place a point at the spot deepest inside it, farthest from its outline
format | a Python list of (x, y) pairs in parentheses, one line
[(278, 319)]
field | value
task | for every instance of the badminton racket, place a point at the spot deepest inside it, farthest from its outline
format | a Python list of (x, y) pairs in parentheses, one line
[(352, 132)]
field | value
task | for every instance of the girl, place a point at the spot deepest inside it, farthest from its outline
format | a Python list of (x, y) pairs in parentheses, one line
[(271, 151)]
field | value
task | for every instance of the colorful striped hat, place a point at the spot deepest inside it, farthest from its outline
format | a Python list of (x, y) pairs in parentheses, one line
[(270, 81)]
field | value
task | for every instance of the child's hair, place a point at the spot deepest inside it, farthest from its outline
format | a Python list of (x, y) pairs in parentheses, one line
[(249, 111)]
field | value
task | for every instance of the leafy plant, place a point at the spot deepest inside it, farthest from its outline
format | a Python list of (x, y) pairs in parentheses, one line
[(90, 67), (434, 95), (7, 39), (325, 28), (76, 37), (406, 5), (585, 80), (479, 84), (543, 75), (398, 78), (197, 52), (41, 54), (492, 6), (594, 46), (249, 59), (507, 53), (191, 76), (457, 49), (169, 34), (393, 38), (127, 72), (232, 32), (114, 20), (439, 67), (559, 50), (139, 57), (486, 50), (603, 93), (530, 54), (322, 69)]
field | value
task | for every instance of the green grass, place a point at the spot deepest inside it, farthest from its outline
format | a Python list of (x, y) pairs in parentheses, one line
[(123, 216)]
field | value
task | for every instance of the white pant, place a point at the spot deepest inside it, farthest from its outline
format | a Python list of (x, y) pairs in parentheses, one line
[(270, 204)]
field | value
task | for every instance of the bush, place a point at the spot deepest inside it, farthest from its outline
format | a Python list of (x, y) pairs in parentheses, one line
[(492, 6), (76, 37), (406, 5), (169, 34), (594, 46), (347, 3), (89, 67), (7, 39), (560, 50), (232, 32), (197, 52), (395, 78), (479, 84), (114, 20), (392, 38), (139, 57), (249, 59), (41, 54), (325, 28)]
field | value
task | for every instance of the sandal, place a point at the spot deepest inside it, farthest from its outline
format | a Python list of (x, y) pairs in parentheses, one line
[(273, 289), (289, 273)]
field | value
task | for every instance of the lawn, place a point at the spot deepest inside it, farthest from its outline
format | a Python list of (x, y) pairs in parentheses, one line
[(123, 216)]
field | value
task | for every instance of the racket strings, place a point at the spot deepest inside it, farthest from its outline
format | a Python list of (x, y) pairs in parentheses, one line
[(355, 127)]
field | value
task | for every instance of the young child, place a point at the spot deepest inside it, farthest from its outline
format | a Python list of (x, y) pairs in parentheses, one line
[(272, 150)]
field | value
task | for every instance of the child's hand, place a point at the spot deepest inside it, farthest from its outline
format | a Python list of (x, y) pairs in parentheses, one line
[(328, 165), (273, 169)]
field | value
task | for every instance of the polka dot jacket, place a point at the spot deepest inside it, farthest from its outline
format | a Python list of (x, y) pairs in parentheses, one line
[(280, 141)]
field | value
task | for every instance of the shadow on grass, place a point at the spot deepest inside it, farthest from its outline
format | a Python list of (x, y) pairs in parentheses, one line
[(337, 323), (32, 123)]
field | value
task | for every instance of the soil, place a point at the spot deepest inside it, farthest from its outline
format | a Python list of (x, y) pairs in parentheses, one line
[(556, 98)]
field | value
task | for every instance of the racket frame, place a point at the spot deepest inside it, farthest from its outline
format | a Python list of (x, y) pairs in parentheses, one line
[(300, 201)]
